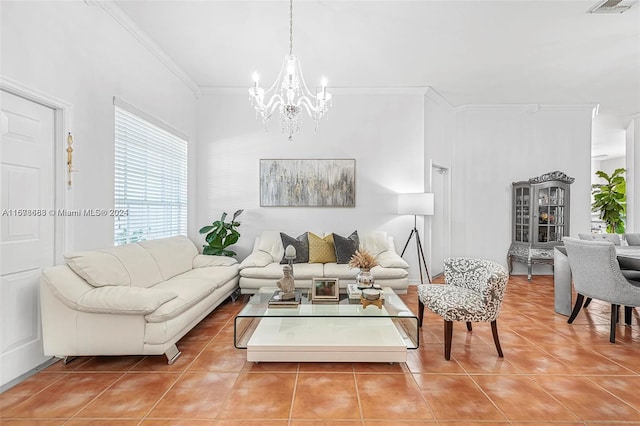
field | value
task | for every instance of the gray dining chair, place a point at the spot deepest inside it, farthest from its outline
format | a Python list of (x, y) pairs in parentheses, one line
[(597, 275), (632, 239), (614, 238), (473, 292)]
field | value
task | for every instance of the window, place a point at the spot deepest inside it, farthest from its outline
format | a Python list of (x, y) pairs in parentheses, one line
[(150, 186)]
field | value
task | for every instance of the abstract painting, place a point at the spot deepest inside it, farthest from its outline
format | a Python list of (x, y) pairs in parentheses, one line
[(308, 183)]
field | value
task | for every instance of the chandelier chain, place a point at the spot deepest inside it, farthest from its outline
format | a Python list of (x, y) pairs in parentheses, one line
[(291, 27)]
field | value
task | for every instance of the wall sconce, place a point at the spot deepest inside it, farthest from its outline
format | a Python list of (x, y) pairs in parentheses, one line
[(69, 160)]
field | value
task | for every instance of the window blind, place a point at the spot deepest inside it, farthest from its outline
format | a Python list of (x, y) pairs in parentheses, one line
[(150, 184)]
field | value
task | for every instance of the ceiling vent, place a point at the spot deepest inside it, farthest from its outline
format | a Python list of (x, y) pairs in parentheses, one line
[(611, 6)]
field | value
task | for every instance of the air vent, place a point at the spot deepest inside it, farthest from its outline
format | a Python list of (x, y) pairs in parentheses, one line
[(611, 6)]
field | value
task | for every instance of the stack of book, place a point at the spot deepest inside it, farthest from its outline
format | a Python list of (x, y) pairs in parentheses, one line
[(354, 293), (277, 302)]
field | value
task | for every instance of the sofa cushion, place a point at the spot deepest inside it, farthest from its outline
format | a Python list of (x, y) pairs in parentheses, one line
[(173, 255), (191, 287), (273, 271), (143, 270), (345, 247), (321, 250), (203, 261), (124, 300), (270, 242), (301, 245), (391, 259), (375, 242), (99, 268)]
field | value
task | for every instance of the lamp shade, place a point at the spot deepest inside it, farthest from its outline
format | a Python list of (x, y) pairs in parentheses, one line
[(420, 204)]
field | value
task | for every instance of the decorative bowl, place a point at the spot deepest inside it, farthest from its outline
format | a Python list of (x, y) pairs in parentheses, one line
[(371, 294)]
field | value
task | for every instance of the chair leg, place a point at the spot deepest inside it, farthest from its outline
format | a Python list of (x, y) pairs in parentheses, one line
[(576, 308), (420, 312), (494, 331), (627, 314), (469, 328), (448, 334), (614, 317), (586, 302)]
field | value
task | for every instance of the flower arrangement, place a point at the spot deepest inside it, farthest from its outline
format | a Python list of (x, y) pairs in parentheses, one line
[(362, 259)]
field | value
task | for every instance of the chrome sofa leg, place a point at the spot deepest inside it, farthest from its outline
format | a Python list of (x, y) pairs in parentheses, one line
[(172, 354), (67, 359)]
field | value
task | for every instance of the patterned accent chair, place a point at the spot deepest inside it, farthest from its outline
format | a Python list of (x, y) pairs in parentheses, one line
[(473, 292), (596, 274), (632, 239)]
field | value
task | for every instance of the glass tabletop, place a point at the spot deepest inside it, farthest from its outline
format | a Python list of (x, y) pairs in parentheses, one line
[(393, 309)]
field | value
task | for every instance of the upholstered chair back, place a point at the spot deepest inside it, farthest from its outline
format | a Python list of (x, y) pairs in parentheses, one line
[(614, 238), (632, 239), (596, 272), (484, 277)]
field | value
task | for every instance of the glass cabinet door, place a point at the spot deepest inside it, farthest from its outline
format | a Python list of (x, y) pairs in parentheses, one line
[(521, 222), (551, 211)]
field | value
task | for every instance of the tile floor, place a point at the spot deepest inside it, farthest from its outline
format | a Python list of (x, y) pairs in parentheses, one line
[(552, 373)]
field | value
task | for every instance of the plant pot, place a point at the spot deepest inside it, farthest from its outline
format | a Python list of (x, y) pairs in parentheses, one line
[(365, 278)]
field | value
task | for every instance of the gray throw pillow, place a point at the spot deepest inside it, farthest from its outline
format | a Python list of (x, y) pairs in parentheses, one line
[(346, 247), (301, 245)]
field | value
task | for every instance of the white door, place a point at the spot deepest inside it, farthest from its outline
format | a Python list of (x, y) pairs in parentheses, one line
[(440, 221), (26, 229)]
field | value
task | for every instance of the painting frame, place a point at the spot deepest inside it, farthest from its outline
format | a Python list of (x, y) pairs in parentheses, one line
[(325, 290), (315, 182)]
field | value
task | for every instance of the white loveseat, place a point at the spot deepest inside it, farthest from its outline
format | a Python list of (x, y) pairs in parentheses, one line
[(262, 268), (134, 299)]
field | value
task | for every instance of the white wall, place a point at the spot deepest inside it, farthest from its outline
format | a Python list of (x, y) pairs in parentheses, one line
[(382, 132), (496, 146), (79, 54)]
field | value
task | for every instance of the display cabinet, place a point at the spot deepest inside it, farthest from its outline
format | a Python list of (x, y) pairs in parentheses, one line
[(540, 218)]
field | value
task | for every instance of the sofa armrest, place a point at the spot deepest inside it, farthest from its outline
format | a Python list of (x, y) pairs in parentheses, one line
[(391, 259), (205, 261), (124, 300), (257, 259)]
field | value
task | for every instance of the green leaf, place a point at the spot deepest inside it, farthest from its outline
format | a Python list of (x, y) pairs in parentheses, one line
[(205, 229), (236, 214)]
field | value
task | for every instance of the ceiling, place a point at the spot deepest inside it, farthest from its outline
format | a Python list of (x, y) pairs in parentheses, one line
[(471, 52)]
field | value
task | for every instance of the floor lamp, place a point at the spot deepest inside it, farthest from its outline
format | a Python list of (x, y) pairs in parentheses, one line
[(416, 204)]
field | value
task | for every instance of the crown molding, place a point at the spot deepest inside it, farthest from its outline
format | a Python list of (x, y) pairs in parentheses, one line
[(435, 96), (127, 23), (412, 90), (526, 107)]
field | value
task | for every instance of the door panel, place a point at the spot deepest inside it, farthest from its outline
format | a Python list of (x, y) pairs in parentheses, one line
[(27, 243)]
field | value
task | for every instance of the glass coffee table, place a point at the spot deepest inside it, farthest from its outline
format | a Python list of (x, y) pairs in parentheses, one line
[(326, 332)]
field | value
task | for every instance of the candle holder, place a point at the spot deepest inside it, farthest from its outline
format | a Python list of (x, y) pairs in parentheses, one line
[(289, 255)]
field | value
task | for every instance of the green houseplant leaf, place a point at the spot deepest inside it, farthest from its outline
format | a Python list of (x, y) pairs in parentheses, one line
[(610, 200), (220, 235)]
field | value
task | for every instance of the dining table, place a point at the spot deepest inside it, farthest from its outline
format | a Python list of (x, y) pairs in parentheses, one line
[(628, 259)]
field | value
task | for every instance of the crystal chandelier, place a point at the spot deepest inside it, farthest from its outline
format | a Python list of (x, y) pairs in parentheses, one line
[(289, 93)]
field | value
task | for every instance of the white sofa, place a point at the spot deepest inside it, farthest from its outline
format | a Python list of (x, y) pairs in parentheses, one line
[(262, 268), (134, 299)]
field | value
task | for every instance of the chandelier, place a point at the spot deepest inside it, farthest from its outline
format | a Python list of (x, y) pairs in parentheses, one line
[(289, 93)]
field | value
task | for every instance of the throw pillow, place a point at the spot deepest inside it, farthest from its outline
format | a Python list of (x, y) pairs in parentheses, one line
[(321, 250), (375, 242), (346, 247), (301, 245)]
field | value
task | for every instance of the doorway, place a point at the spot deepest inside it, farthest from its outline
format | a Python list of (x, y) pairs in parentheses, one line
[(441, 219)]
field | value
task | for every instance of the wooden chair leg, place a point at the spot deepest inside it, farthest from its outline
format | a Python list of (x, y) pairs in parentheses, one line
[(576, 308), (420, 312), (494, 331), (627, 314), (448, 334), (586, 302), (614, 317), (469, 328)]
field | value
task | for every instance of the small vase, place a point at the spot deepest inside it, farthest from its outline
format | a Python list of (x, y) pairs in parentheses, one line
[(365, 278)]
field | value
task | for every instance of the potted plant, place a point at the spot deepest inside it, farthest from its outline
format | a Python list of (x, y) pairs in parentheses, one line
[(220, 235), (610, 200)]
